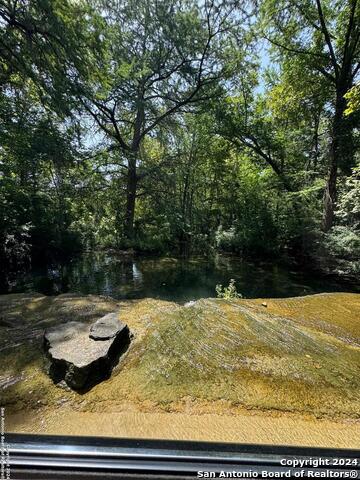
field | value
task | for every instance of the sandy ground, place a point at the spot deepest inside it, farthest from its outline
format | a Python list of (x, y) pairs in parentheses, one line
[(247, 428)]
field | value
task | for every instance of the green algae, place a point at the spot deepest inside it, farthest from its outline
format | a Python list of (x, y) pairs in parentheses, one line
[(294, 355), (217, 350)]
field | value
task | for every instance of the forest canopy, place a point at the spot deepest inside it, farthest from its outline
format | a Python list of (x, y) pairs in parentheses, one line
[(180, 126)]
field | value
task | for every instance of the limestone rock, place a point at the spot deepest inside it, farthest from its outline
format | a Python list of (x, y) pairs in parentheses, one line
[(106, 327), (83, 354)]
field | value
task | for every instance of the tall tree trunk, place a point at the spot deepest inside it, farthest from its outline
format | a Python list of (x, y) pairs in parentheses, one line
[(330, 192), (316, 144), (131, 188), (184, 237), (340, 155)]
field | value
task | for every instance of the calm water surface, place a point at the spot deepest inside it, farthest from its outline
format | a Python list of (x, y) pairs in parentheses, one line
[(172, 279)]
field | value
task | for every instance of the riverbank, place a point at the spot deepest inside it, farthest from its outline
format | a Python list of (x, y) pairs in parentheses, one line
[(264, 366)]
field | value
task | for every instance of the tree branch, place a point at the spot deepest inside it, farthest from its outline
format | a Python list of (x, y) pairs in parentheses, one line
[(327, 38)]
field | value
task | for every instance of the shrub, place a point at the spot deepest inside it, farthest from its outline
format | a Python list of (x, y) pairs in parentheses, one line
[(228, 292)]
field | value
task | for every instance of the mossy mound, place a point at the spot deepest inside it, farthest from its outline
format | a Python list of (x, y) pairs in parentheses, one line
[(298, 354)]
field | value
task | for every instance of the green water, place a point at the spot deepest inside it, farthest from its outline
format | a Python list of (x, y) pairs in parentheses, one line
[(173, 279)]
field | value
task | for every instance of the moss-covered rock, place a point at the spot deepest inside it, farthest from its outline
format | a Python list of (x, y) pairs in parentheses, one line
[(296, 354)]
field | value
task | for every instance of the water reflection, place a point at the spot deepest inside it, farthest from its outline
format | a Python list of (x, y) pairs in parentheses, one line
[(172, 279)]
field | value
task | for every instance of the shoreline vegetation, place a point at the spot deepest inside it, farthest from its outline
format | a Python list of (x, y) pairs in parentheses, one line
[(191, 127), (296, 359)]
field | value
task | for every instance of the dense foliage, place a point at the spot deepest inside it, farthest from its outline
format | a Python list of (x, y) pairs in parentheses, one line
[(183, 126)]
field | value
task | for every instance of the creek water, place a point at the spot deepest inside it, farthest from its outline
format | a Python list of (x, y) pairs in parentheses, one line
[(119, 276)]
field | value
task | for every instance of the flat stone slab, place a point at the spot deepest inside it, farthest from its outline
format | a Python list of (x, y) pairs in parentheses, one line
[(106, 327), (83, 354)]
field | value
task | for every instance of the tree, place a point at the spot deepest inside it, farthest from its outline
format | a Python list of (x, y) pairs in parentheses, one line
[(45, 42), (326, 34), (163, 58), (247, 125), (43, 50)]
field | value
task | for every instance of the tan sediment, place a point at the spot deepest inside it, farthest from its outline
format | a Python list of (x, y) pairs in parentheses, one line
[(244, 428)]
